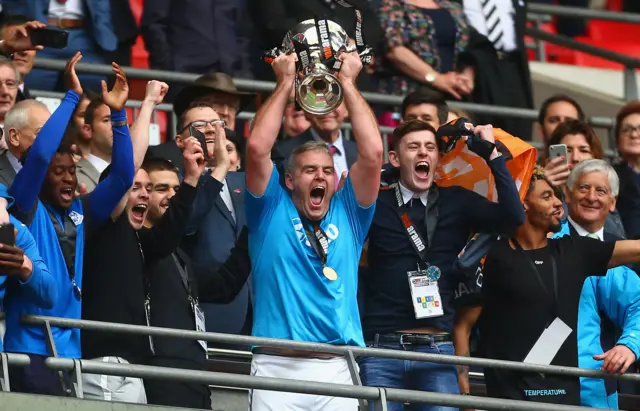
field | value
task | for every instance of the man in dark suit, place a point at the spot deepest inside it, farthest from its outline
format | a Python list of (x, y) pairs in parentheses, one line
[(496, 60), (20, 135), (90, 32), (197, 36), (324, 128), (215, 90), (126, 30)]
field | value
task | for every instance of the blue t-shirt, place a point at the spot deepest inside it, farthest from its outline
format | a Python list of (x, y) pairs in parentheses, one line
[(292, 297)]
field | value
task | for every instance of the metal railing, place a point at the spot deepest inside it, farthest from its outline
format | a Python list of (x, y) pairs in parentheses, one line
[(579, 12), (378, 394)]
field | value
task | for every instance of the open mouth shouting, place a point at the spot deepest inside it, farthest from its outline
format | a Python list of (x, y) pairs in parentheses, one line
[(66, 193), (317, 195), (138, 212), (422, 169)]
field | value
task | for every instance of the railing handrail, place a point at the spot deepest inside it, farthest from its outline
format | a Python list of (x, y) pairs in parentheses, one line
[(320, 347), (573, 44), (585, 13), (302, 387)]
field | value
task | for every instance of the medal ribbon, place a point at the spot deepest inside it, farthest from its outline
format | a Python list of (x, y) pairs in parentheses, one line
[(319, 242)]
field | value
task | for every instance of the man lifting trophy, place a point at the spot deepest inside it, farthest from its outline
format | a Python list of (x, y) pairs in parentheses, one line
[(305, 240)]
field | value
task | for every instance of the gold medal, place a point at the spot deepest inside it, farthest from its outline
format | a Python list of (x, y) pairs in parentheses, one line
[(330, 273)]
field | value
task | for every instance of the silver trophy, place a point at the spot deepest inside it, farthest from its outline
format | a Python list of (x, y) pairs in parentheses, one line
[(318, 42)]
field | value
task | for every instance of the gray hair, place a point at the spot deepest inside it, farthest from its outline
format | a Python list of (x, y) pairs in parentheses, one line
[(8, 63), (592, 166), (18, 116), (308, 146)]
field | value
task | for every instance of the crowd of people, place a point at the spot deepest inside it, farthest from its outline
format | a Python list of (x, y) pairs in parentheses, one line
[(300, 233)]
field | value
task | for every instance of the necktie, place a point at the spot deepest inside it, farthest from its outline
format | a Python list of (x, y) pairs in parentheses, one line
[(333, 151), (492, 19), (416, 211), (594, 236), (61, 1)]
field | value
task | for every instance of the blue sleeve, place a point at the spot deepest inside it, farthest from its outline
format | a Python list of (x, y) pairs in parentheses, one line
[(110, 191), (208, 192), (26, 186), (619, 298), (40, 288), (260, 209), (359, 217), (502, 216)]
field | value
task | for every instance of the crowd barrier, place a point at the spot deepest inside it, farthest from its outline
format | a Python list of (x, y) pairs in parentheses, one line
[(379, 395)]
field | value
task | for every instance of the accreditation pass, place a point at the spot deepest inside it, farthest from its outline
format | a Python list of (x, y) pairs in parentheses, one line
[(425, 295)]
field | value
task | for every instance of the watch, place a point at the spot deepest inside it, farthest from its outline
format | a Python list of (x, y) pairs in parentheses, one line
[(431, 76), (119, 123)]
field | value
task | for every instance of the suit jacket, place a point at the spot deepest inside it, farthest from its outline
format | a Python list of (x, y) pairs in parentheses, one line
[(7, 173), (629, 200), (273, 18), (197, 36), (481, 54), (23, 94), (281, 151), (124, 22), (210, 236), (98, 17), (87, 174)]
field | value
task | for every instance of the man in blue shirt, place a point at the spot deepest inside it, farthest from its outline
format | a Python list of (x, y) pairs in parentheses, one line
[(305, 244), (23, 275), (44, 200)]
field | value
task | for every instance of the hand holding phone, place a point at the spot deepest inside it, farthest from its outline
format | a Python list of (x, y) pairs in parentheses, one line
[(55, 39), (558, 150), (199, 135), (7, 234)]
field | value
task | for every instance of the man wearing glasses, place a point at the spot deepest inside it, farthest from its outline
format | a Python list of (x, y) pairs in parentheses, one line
[(209, 239)]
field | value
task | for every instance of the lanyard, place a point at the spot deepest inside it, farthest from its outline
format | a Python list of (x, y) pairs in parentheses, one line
[(536, 271), (147, 292), (67, 235), (415, 238), (319, 241), (184, 276)]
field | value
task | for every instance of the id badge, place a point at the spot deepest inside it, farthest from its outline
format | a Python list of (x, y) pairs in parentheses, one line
[(425, 295), (200, 324)]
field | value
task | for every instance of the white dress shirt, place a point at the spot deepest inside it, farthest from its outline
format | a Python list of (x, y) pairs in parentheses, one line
[(15, 163), (407, 195), (504, 9), (71, 9), (583, 233), (340, 157), (97, 162), (226, 198)]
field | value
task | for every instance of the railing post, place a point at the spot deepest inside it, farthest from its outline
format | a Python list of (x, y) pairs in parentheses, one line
[(346, 133), (385, 147), (541, 55), (53, 352), (4, 379), (76, 380), (355, 376), (381, 402), (630, 84)]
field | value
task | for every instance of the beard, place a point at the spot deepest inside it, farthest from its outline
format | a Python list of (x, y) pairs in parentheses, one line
[(555, 227)]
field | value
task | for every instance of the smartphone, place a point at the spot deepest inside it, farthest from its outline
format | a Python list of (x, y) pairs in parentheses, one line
[(55, 39), (203, 141), (7, 234), (558, 150)]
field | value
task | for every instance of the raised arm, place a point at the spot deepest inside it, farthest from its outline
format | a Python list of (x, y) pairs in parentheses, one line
[(165, 237), (109, 192), (266, 126), (26, 186), (211, 183), (156, 90), (365, 172)]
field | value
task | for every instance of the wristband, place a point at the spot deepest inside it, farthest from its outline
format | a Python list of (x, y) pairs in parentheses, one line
[(119, 123)]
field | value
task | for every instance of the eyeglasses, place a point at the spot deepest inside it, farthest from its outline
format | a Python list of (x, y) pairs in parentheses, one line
[(630, 129), (10, 84), (200, 124)]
